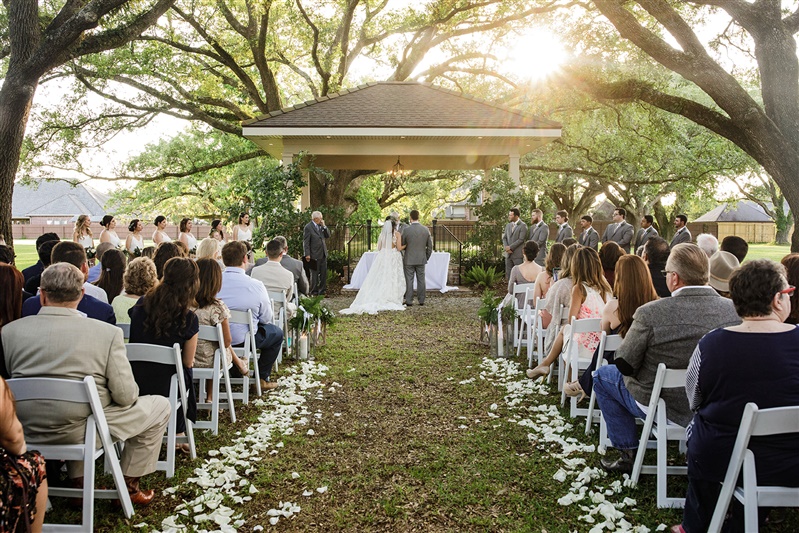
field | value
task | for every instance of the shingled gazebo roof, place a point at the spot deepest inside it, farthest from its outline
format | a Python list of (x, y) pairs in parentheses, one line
[(425, 126)]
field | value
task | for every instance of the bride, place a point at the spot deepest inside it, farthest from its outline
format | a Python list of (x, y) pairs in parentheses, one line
[(384, 286)]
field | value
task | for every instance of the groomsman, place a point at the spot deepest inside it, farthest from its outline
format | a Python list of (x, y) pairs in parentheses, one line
[(539, 232), (564, 230), (682, 235), (645, 233), (620, 231), (513, 239), (589, 236), (314, 248)]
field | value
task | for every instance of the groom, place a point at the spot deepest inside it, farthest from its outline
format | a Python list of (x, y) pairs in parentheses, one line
[(418, 248)]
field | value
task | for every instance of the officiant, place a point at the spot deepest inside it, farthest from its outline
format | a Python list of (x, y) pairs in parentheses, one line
[(314, 251)]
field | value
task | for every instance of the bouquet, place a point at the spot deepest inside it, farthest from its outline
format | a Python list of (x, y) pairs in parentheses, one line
[(91, 252)]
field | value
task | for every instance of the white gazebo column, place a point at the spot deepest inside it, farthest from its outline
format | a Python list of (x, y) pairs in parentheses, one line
[(305, 194), (513, 169)]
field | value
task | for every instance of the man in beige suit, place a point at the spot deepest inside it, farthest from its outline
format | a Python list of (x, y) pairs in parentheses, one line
[(60, 342), (274, 276)]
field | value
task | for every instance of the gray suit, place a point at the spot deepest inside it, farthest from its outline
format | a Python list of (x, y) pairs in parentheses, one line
[(683, 235), (643, 236), (61, 343), (589, 238), (418, 248), (667, 331), (314, 246), (514, 238), (292, 265), (564, 232), (540, 233), (621, 233)]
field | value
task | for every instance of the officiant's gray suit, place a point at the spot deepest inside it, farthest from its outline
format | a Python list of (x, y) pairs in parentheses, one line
[(418, 249)]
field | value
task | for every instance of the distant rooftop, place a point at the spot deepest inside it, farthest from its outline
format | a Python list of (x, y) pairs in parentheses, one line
[(744, 211), (57, 198)]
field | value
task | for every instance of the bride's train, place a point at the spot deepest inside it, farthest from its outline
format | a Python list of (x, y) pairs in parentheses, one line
[(384, 286)]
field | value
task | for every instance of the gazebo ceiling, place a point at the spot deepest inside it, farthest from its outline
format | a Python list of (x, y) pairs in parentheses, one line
[(426, 126)]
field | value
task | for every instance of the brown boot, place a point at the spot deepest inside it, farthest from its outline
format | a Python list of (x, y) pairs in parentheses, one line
[(138, 496)]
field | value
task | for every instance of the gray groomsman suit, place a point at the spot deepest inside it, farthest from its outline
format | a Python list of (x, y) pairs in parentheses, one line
[(514, 237), (643, 236), (418, 249), (540, 233), (621, 233), (589, 238), (564, 232), (683, 235)]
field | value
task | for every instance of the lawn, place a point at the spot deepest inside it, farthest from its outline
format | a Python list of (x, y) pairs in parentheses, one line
[(411, 429)]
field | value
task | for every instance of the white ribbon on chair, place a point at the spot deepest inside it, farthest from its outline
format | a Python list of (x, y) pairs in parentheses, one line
[(500, 334)]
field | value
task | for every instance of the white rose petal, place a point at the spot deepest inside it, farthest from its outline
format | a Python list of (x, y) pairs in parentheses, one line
[(322, 490)]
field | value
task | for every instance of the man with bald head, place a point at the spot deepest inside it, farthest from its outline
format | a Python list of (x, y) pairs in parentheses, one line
[(314, 250)]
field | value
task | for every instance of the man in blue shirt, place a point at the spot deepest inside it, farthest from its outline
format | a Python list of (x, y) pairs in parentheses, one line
[(241, 293), (94, 272)]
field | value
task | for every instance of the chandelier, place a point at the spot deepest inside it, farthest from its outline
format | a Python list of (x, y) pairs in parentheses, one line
[(398, 169)]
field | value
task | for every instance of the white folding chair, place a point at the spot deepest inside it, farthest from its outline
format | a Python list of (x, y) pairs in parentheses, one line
[(125, 330), (572, 364), (607, 343), (663, 431), (83, 392), (249, 353), (520, 290), (755, 423), (218, 372), (559, 319), (169, 357), (281, 320)]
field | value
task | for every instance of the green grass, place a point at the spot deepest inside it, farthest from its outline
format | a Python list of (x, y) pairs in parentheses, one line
[(775, 252)]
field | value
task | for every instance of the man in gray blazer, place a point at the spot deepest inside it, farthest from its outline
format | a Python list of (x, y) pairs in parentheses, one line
[(620, 231), (418, 247), (539, 232), (289, 263), (682, 235), (589, 237), (564, 230), (60, 342), (644, 234), (663, 331), (314, 247), (513, 239)]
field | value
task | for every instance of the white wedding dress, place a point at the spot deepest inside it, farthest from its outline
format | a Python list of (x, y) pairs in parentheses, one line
[(384, 286)]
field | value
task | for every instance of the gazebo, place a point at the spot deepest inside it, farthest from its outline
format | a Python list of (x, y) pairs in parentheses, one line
[(405, 125)]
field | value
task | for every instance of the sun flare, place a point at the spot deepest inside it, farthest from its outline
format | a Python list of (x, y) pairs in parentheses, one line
[(534, 55)]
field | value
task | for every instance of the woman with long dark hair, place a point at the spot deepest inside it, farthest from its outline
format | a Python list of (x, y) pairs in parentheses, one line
[(164, 317), (111, 275), (109, 234), (159, 235), (165, 252), (609, 255), (11, 283), (186, 236), (242, 230), (549, 275)]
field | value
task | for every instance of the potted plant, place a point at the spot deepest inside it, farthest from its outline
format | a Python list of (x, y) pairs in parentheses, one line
[(489, 318)]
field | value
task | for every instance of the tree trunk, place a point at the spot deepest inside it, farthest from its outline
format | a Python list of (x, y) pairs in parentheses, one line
[(16, 97), (333, 190)]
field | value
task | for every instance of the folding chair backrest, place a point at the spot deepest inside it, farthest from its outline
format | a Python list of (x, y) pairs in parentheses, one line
[(125, 330), (245, 318), (612, 343), (277, 296), (585, 325), (212, 334), (666, 378), (520, 289)]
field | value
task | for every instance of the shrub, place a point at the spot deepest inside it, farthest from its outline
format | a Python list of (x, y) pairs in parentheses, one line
[(481, 277)]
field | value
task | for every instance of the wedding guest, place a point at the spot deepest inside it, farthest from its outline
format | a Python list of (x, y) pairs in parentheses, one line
[(159, 235), (182, 248), (186, 236), (209, 248), (23, 473), (211, 311), (609, 254), (559, 295), (791, 264), (275, 277), (165, 252), (294, 266), (548, 276), (526, 272), (756, 361), (656, 253), (111, 276), (83, 232), (7, 255), (242, 230), (85, 348), (45, 253), (218, 231), (38, 268), (148, 252), (663, 331), (633, 289), (315, 249), (11, 283), (164, 317), (568, 242), (134, 244), (590, 292), (242, 293), (708, 243), (94, 272), (736, 246), (722, 265), (140, 277), (109, 234), (91, 305)]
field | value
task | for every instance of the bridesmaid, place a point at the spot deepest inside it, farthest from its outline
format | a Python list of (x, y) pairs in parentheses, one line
[(186, 236), (135, 240), (242, 230), (218, 231), (83, 232), (109, 234), (159, 235)]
